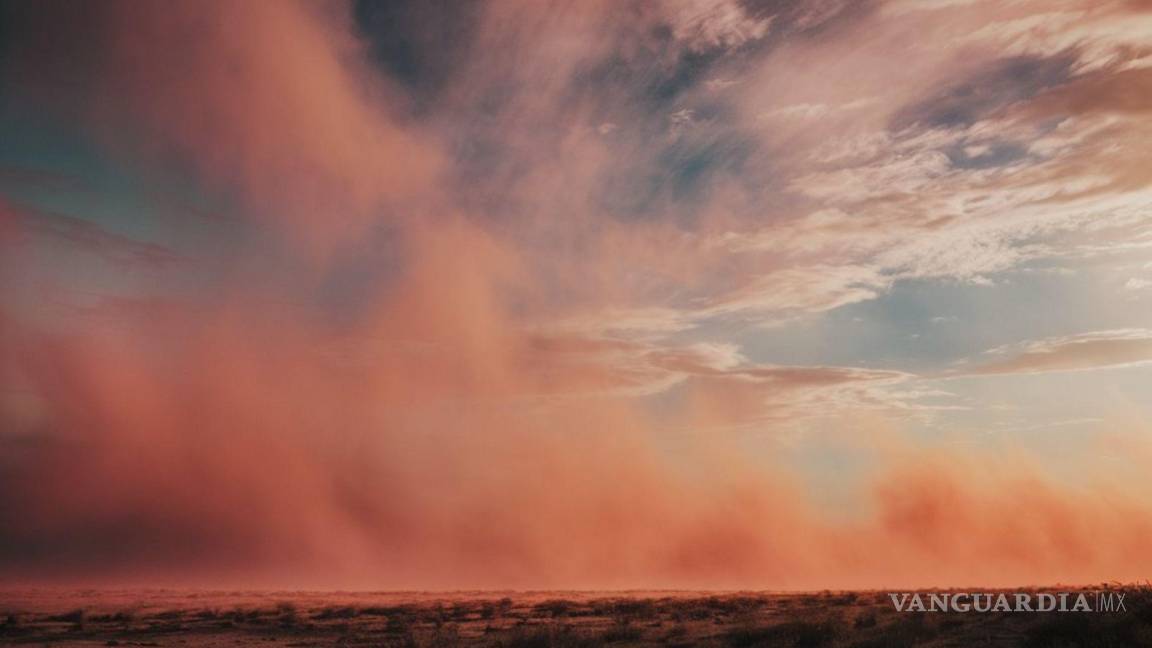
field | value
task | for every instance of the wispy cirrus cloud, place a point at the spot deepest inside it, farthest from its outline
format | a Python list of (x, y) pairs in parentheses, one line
[(1081, 352)]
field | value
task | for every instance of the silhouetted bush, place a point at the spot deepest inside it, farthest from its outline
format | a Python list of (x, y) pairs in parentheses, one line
[(336, 613), (74, 616), (865, 620), (550, 636), (621, 631), (801, 634), (1079, 630)]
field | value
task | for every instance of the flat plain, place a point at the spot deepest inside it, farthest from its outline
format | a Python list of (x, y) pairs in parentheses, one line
[(864, 619)]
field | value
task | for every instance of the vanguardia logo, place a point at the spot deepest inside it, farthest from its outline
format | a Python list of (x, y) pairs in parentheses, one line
[(1102, 601)]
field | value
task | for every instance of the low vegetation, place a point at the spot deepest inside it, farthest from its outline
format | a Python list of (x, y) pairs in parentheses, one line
[(813, 620)]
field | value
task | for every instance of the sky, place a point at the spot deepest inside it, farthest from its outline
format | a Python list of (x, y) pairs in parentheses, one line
[(717, 294)]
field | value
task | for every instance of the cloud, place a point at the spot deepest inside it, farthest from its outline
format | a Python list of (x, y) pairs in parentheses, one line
[(710, 371), (1083, 352), (1101, 35), (1004, 82), (955, 167), (715, 24), (90, 238), (799, 290)]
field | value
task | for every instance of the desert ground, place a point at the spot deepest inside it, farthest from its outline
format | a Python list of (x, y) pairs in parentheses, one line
[(540, 619)]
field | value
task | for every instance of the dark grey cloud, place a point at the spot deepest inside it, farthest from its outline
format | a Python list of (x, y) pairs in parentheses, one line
[(985, 155), (420, 43), (808, 18), (996, 86), (678, 179)]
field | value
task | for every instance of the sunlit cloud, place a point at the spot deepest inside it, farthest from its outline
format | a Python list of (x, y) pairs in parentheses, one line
[(1086, 351)]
